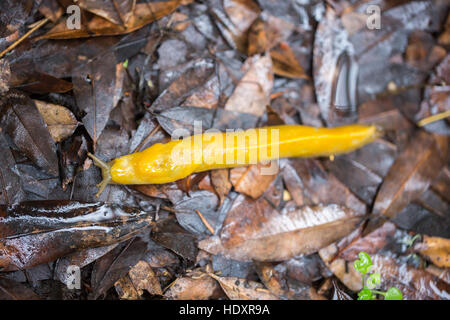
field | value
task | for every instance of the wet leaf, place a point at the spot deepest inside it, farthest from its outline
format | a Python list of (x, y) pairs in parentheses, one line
[(36, 232), (277, 279), (98, 88), (12, 290), (24, 124), (116, 264), (170, 235), (11, 191), (144, 13), (254, 230), (309, 183), (410, 175)]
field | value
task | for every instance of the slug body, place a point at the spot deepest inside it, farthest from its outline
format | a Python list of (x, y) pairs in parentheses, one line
[(162, 163)]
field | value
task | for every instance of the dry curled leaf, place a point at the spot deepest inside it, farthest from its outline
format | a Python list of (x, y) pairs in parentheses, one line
[(60, 121), (435, 249)]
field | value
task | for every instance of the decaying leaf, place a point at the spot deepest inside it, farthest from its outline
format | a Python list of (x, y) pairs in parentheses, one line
[(410, 175), (253, 230), (33, 233), (252, 94), (194, 286), (144, 13), (435, 249), (60, 121), (24, 124), (242, 289), (143, 278)]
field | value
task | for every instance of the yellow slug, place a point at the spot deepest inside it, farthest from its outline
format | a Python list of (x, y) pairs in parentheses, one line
[(177, 159)]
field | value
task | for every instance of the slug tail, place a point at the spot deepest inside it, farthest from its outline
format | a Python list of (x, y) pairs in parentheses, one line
[(106, 173)]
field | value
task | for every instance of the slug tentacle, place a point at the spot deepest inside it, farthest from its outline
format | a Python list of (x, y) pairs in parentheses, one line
[(106, 173)]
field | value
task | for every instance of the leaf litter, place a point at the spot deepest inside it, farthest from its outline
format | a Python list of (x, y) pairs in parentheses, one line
[(136, 71)]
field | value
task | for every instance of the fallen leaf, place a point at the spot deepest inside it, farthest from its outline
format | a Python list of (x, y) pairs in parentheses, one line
[(60, 121), (411, 174), (242, 289), (251, 180), (97, 89), (37, 232), (255, 231), (143, 278), (116, 264), (12, 290), (144, 13), (11, 189), (252, 94), (194, 286), (24, 124), (435, 249), (285, 63)]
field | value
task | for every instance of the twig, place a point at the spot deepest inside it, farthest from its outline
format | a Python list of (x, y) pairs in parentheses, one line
[(433, 118), (205, 222), (26, 35)]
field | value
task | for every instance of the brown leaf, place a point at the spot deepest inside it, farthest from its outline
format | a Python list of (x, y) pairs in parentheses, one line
[(410, 175), (11, 190), (252, 94), (12, 290), (221, 184), (242, 289), (277, 280), (285, 63), (144, 13), (115, 11), (435, 249), (37, 232), (126, 290), (257, 38), (60, 121), (169, 234), (309, 183), (253, 230), (194, 286), (24, 124), (97, 89), (115, 265), (143, 278), (250, 181)]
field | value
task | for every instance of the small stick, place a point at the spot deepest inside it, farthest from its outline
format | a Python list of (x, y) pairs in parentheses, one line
[(26, 35), (205, 222), (433, 118)]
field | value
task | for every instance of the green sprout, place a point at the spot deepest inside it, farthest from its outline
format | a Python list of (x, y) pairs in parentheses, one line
[(364, 265)]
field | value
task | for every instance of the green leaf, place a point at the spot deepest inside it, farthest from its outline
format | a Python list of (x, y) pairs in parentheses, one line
[(393, 294), (364, 263), (366, 294), (125, 64), (373, 280)]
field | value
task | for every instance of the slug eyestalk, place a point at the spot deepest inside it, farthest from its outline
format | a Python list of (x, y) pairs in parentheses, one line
[(106, 173)]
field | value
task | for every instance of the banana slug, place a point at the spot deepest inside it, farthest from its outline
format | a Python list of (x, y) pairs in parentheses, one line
[(174, 160)]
